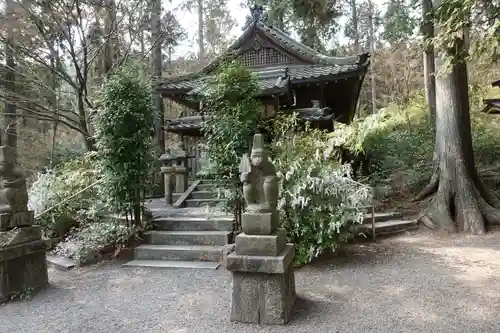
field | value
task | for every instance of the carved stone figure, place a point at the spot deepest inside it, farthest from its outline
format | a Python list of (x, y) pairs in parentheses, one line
[(260, 183), (13, 191)]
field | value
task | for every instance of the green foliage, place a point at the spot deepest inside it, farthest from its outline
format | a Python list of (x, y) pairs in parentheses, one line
[(319, 200), (453, 16), (400, 143), (85, 243), (124, 139), (233, 115), (399, 23), (64, 188)]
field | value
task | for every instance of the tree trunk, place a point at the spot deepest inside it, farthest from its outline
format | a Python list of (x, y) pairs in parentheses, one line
[(372, 51), (158, 68), (461, 201), (201, 41), (429, 65), (355, 28), (10, 119)]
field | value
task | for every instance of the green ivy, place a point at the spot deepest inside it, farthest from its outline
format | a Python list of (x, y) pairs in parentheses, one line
[(233, 115), (124, 127)]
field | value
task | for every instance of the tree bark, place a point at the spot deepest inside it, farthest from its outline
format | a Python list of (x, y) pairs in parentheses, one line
[(461, 201), (429, 65), (355, 26), (201, 40), (372, 51), (10, 118), (158, 99)]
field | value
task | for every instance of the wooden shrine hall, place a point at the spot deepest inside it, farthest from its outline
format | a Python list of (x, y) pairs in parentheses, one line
[(292, 77)]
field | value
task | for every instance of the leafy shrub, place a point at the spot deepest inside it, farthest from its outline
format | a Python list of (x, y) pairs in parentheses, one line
[(124, 127), (318, 198), (400, 143), (85, 243), (66, 191), (233, 117)]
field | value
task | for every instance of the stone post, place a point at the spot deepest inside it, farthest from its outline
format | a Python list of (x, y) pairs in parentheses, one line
[(168, 173), (181, 176), (263, 289), (23, 264)]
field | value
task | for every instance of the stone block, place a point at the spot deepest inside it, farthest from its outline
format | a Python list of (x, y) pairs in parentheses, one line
[(20, 235), (263, 298), (15, 251), (23, 274), (262, 264), (259, 223), (261, 245), (19, 219)]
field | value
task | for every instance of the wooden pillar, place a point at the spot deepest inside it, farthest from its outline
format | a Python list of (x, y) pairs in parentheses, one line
[(322, 94)]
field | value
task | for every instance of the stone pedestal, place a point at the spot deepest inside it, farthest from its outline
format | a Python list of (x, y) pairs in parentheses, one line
[(263, 278), (22, 255)]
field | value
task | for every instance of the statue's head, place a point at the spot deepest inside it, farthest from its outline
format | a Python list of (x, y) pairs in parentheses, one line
[(258, 155)]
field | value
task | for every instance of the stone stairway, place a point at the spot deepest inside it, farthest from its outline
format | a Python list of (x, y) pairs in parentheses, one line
[(387, 223), (200, 197), (189, 238)]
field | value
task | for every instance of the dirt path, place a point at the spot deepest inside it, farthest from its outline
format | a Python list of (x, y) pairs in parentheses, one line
[(413, 283)]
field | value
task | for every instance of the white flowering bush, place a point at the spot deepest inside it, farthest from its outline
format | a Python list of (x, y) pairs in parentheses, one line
[(86, 243), (319, 200), (59, 198)]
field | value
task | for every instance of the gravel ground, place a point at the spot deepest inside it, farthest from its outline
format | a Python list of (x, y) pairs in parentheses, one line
[(411, 283)]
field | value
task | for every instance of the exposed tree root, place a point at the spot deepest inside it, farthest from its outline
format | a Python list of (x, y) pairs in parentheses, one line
[(459, 203)]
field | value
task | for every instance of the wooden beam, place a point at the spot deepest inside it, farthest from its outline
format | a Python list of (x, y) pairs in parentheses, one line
[(180, 202)]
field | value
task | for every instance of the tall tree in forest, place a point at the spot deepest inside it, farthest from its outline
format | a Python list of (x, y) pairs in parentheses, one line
[(399, 24), (10, 110), (218, 22), (314, 21), (157, 42), (460, 200), (371, 42), (172, 34), (61, 36), (427, 30), (351, 29), (214, 23)]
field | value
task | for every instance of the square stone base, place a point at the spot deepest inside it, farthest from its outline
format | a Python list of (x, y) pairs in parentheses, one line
[(259, 223), (261, 245), (22, 273), (263, 298)]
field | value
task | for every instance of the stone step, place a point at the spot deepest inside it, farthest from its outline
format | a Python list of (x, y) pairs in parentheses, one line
[(220, 223), (205, 186), (159, 237), (202, 202), (178, 252), (173, 264), (382, 217), (196, 195), (391, 226)]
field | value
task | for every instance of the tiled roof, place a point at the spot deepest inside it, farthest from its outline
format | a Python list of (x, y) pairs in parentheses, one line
[(269, 79), (320, 63)]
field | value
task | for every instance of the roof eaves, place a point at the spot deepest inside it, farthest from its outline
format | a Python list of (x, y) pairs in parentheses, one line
[(288, 42)]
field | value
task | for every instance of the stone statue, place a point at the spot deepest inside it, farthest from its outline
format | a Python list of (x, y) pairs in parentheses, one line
[(13, 191), (260, 183)]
